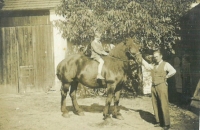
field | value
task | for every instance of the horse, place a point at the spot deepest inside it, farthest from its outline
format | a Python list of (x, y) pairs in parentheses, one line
[(79, 68)]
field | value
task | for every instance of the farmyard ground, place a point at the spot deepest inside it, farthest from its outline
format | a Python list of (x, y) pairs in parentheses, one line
[(41, 111)]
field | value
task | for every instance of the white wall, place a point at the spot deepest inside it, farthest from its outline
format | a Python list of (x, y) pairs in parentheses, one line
[(60, 46)]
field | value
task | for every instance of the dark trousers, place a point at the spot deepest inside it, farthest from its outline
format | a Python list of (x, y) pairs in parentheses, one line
[(160, 103)]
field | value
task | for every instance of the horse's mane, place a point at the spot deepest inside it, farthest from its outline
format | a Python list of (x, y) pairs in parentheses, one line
[(115, 57), (118, 51)]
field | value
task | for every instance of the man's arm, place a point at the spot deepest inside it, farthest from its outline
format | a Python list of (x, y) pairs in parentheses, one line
[(171, 71), (98, 49), (147, 65)]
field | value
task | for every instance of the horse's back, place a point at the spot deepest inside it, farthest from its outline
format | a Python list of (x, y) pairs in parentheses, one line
[(66, 69), (69, 67), (84, 70)]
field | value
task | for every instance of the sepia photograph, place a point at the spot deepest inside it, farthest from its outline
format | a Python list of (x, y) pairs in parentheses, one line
[(99, 64)]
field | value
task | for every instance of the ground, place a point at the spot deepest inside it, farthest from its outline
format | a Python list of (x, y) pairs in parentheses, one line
[(41, 111)]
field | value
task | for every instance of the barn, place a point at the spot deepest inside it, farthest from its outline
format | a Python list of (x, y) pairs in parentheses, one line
[(30, 45)]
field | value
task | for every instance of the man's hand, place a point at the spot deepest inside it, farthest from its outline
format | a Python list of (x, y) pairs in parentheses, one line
[(147, 65), (105, 53)]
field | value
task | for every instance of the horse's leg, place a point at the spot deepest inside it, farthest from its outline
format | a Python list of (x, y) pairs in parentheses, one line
[(116, 113), (110, 94), (72, 94), (64, 90)]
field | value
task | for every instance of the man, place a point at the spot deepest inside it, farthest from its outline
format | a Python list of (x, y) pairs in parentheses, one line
[(160, 72), (97, 52)]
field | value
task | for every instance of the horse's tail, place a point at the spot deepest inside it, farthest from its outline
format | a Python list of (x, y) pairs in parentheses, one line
[(58, 71), (58, 76)]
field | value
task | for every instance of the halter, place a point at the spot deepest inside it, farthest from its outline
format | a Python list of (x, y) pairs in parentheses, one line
[(134, 56)]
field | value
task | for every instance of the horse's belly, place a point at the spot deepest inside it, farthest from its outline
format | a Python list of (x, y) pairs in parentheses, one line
[(89, 80)]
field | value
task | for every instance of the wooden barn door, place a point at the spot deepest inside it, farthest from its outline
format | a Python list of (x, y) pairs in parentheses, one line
[(27, 58), (8, 60), (25, 50)]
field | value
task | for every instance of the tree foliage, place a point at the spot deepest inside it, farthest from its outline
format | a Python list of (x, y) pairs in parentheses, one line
[(1, 3), (153, 22)]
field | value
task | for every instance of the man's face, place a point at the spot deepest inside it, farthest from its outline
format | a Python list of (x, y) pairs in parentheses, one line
[(98, 38), (157, 57)]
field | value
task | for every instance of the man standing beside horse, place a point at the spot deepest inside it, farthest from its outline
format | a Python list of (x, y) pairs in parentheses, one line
[(161, 71)]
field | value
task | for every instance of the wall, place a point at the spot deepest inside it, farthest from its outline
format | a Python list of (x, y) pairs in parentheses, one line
[(60, 46), (26, 43), (190, 41)]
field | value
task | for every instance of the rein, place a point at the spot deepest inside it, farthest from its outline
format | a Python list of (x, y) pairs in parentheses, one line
[(125, 60), (119, 58)]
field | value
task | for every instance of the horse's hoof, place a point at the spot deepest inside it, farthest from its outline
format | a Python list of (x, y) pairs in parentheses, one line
[(108, 120), (81, 114), (119, 117), (66, 115)]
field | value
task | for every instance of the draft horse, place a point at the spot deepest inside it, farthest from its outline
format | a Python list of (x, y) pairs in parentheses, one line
[(78, 68)]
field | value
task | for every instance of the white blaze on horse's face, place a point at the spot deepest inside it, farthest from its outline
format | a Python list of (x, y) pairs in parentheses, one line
[(133, 50), (139, 58)]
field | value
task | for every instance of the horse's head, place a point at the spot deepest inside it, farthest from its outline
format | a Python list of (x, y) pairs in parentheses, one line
[(127, 50), (133, 50)]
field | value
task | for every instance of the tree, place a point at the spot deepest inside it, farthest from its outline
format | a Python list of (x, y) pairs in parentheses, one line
[(153, 22)]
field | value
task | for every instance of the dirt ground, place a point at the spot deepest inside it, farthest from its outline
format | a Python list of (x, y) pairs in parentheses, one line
[(41, 111)]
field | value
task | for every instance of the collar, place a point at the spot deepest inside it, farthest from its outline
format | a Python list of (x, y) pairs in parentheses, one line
[(160, 62)]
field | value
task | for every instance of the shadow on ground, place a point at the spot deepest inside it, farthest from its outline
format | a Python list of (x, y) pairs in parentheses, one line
[(147, 116), (96, 108)]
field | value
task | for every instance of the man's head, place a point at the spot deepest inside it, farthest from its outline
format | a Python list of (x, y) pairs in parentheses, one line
[(157, 56), (97, 35)]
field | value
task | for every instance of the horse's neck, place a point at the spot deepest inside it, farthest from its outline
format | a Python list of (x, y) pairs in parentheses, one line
[(119, 52), (116, 64)]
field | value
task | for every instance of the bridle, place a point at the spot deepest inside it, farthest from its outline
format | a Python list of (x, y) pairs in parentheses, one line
[(134, 55)]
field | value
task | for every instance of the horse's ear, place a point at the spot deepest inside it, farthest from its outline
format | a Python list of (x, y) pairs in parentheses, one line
[(139, 46), (128, 41)]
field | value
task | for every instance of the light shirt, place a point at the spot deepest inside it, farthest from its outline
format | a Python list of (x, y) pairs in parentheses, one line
[(168, 68), (97, 47)]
